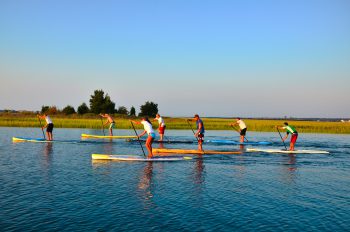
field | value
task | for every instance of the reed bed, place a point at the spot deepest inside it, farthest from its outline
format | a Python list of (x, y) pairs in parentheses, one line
[(122, 122)]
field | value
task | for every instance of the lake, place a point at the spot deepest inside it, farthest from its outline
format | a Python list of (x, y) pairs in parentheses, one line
[(57, 187)]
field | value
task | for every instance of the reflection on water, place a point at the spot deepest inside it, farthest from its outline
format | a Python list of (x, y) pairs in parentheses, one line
[(145, 183), (289, 167)]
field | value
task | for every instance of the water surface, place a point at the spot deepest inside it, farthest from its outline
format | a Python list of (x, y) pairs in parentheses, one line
[(57, 187)]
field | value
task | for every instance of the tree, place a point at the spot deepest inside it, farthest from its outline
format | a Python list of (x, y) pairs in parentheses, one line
[(68, 110), (149, 109), (122, 110), (100, 103), (44, 109), (132, 111), (83, 109), (49, 110)]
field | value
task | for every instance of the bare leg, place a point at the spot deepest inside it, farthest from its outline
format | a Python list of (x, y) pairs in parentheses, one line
[(200, 142), (242, 139), (291, 146), (149, 142), (161, 137)]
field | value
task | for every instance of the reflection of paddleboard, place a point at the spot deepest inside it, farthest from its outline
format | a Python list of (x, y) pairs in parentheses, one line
[(136, 158), (223, 141), (108, 136), (286, 151), (34, 140), (164, 141), (187, 151)]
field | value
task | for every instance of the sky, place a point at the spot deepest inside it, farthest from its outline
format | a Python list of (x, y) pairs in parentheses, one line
[(263, 58)]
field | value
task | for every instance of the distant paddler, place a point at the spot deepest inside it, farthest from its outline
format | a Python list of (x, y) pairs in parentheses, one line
[(290, 130), (147, 125), (242, 128), (109, 121), (161, 126), (48, 125), (199, 134)]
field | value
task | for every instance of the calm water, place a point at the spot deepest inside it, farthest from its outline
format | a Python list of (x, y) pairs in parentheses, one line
[(56, 187)]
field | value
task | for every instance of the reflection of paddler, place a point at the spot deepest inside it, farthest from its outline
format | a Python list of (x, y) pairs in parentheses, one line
[(145, 180)]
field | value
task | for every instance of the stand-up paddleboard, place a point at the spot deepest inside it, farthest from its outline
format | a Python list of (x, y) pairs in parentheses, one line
[(164, 141), (108, 136), (223, 141), (287, 151), (41, 140), (188, 151), (136, 158), (33, 140)]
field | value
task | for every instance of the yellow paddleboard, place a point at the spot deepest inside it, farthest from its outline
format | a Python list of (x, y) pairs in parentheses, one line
[(188, 151), (108, 136)]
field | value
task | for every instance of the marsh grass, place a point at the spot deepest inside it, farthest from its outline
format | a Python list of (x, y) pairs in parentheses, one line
[(122, 122)]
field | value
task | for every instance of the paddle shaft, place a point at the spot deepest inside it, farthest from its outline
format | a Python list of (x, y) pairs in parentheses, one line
[(103, 129), (239, 133), (138, 139), (281, 138), (42, 130), (192, 130)]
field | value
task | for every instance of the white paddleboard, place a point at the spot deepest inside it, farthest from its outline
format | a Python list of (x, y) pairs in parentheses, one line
[(286, 151), (136, 158)]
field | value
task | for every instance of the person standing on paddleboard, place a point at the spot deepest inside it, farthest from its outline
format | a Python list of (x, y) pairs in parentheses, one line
[(290, 130), (111, 122), (161, 127), (242, 128), (200, 131), (147, 125), (48, 126)]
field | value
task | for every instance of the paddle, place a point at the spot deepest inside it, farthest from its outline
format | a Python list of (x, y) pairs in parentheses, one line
[(138, 139), (281, 138), (42, 130), (239, 132), (103, 129)]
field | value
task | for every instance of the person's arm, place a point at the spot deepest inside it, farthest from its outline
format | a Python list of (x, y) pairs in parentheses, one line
[(234, 124), (285, 137), (136, 122), (142, 134), (199, 129)]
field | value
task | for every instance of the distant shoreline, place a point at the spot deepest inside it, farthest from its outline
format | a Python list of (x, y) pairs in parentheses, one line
[(122, 122)]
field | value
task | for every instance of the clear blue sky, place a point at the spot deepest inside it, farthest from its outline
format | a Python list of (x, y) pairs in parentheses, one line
[(215, 58)]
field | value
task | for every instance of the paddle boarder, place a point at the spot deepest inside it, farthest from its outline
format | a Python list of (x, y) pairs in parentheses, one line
[(48, 125), (111, 122), (161, 126), (147, 125), (242, 128), (290, 130), (200, 131)]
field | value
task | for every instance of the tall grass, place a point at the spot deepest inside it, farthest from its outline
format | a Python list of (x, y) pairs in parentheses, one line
[(94, 122)]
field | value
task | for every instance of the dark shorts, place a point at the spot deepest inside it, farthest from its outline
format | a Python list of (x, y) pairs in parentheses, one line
[(200, 137), (49, 127), (294, 138), (243, 132), (161, 130)]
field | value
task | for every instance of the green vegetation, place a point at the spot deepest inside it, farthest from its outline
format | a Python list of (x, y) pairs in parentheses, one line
[(122, 122)]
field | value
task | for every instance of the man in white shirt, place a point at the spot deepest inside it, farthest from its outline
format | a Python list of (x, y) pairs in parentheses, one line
[(161, 126), (242, 128)]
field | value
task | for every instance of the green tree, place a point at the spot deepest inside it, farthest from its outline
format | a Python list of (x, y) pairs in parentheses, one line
[(83, 109), (44, 109), (122, 110), (132, 111), (149, 109), (100, 103), (68, 110)]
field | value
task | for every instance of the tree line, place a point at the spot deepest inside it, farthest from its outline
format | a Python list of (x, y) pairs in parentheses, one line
[(102, 103)]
